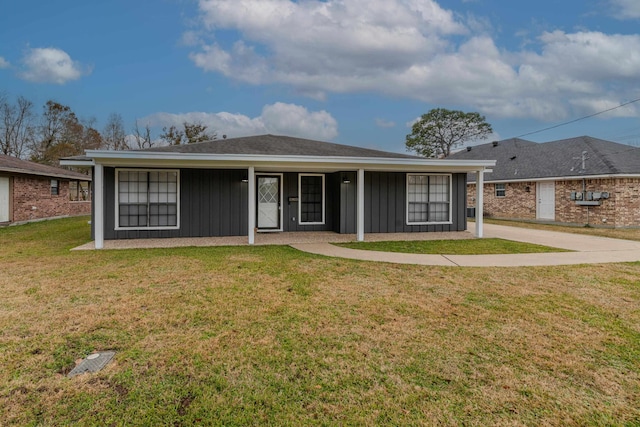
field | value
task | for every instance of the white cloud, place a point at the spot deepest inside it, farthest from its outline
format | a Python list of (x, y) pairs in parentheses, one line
[(626, 9), (382, 123), (51, 65), (4, 63), (415, 49), (278, 118), (318, 46)]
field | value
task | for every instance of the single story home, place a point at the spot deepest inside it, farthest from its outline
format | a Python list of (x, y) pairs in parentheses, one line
[(31, 191), (270, 183), (581, 180)]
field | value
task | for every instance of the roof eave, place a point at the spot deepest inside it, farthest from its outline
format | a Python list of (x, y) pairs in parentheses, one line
[(160, 159), (47, 174), (78, 163)]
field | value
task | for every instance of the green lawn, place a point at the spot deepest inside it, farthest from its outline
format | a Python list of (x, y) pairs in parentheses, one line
[(273, 336), (453, 247)]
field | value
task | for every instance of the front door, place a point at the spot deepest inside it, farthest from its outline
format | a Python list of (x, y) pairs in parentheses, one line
[(547, 200), (268, 206), (4, 199)]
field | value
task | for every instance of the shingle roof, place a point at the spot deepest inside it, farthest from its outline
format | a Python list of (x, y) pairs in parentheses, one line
[(276, 145), (15, 165), (518, 159)]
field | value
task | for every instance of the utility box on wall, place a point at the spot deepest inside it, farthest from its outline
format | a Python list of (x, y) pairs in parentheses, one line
[(589, 196)]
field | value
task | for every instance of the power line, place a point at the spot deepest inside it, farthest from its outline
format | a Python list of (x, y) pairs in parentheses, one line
[(577, 120)]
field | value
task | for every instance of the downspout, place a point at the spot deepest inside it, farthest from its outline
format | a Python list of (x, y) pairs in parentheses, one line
[(584, 192)]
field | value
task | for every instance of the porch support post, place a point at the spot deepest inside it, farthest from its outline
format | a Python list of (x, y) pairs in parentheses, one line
[(360, 206), (98, 205), (479, 203), (252, 205)]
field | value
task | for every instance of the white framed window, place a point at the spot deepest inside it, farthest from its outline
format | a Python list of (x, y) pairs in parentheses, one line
[(311, 199), (501, 190), (428, 199), (147, 199), (55, 187)]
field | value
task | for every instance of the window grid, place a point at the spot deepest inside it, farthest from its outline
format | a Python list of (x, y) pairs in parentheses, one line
[(428, 198), (311, 199), (147, 199), (501, 191), (55, 187)]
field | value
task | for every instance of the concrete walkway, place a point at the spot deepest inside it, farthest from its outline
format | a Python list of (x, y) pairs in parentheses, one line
[(588, 250)]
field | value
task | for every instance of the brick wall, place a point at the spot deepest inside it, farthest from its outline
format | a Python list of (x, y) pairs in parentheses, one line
[(32, 199), (519, 201), (621, 209), (627, 197)]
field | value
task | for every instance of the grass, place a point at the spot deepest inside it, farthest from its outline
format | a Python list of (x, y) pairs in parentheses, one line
[(453, 247), (273, 336)]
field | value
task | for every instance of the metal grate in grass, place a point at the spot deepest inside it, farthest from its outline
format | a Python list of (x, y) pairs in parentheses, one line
[(93, 363)]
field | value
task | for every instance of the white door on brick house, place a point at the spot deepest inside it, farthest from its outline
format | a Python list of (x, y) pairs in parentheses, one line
[(546, 200), (4, 199)]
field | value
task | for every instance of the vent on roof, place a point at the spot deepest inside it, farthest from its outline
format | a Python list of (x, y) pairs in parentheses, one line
[(495, 143), (513, 157), (469, 148)]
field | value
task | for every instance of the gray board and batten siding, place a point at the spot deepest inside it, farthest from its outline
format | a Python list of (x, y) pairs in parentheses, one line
[(213, 202)]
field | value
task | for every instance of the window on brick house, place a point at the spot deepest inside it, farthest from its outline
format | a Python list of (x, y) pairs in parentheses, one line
[(501, 190), (55, 187), (79, 191)]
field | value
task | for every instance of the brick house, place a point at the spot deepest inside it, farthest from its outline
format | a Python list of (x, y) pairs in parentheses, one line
[(31, 191), (581, 180)]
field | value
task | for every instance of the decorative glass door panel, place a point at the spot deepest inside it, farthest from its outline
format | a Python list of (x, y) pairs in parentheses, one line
[(268, 202)]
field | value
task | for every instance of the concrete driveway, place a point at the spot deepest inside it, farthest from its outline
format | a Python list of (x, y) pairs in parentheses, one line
[(588, 250)]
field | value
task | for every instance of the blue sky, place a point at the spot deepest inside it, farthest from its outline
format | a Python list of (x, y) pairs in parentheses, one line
[(355, 72)]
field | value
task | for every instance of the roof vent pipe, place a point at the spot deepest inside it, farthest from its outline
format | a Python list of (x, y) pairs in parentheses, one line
[(495, 143), (469, 148)]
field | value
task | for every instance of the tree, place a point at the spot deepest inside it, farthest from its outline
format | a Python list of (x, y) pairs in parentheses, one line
[(172, 135), (142, 138), (61, 134), (440, 130), (58, 134), (197, 132), (17, 126), (114, 135), (189, 134)]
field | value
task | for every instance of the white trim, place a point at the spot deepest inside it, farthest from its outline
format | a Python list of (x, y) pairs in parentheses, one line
[(98, 206), (70, 162), (252, 205), (360, 206), (283, 163), (117, 226), (479, 205), (300, 175), (280, 210), (407, 222)]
